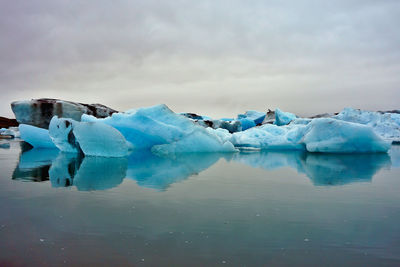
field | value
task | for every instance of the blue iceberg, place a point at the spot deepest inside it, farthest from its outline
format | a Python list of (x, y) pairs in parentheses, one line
[(90, 138), (387, 125), (145, 128), (35, 136), (283, 118)]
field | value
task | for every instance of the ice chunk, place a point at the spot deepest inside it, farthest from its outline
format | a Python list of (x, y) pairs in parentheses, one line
[(283, 118), (98, 139), (320, 135), (386, 125), (12, 131), (37, 137), (247, 123), (272, 137), (158, 125), (92, 138), (38, 112), (61, 132), (269, 117), (198, 141), (231, 125), (253, 115), (335, 136)]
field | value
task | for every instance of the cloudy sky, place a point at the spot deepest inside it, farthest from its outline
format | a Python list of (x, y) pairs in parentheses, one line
[(210, 57)]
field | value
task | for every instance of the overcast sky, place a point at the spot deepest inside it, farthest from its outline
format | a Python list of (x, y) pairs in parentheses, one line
[(211, 57)]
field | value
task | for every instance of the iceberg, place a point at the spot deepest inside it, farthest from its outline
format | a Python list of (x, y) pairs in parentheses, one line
[(256, 116), (37, 137), (97, 139), (231, 125), (247, 123), (198, 141), (13, 132), (158, 125), (62, 135), (283, 118), (334, 136), (319, 135), (39, 112), (90, 138), (271, 137), (386, 125)]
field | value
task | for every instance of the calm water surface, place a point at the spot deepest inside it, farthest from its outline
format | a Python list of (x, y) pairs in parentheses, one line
[(244, 209)]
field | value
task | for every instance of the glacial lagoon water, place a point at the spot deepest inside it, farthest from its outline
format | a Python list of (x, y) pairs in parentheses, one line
[(243, 209)]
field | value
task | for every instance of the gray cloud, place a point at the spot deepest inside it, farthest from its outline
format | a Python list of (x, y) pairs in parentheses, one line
[(212, 57)]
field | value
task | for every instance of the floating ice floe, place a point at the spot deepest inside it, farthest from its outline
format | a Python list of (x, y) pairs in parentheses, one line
[(161, 127), (35, 136), (320, 135), (13, 132), (162, 131), (272, 137), (334, 136), (386, 125), (93, 139)]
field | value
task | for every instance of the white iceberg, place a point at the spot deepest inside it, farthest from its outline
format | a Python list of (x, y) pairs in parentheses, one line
[(37, 137), (158, 125), (386, 125), (93, 139)]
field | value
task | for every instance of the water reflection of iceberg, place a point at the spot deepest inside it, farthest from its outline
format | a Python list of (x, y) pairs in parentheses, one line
[(34, 164), (330, 169), (395, 156), (159, 173), (322, 169), (88, 173), (99, 173)]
